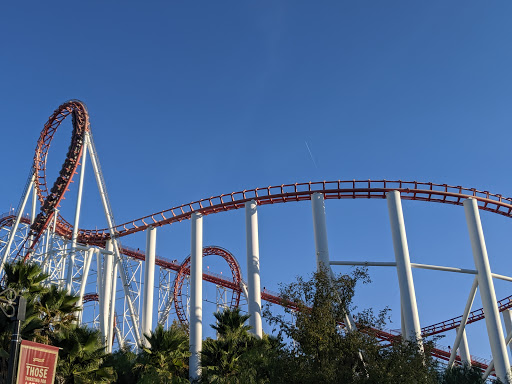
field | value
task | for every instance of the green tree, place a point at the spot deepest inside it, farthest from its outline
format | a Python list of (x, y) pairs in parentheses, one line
[(123, 363), (50, 319), (81, 357), (320, 349), (49, 309), (166, 358), (462, 374), (237, 356)]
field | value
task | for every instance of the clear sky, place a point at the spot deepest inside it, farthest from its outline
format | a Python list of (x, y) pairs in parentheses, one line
[(194, 99)]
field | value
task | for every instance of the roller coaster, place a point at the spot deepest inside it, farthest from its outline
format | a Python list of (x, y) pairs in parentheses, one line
[(66, 252)]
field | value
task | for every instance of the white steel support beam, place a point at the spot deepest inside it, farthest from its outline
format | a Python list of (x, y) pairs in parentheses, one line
[(149, 283), (34, 204), (403, 266), (110, 220), (321, 244), (72, 250), (253, 267), (101, 292), (110, 336), (85, 274), (48, 247), (108, 266), (245, 292), (196, 296), (461, 331), (33, 210), (19, 214), (320, 231), (464, 348), (490, 367), (507, 319), (487, 293), (417, 265)]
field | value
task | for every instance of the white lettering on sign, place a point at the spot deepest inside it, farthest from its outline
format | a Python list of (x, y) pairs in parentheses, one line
[(36, 371)]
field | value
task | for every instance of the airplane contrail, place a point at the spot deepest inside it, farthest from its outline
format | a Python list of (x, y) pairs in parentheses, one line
[(310, 154)]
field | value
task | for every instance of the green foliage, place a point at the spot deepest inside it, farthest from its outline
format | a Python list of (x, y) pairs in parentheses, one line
[(230, 322), (402, 362), (166, 358), (315, 348), (49, 309), (236, 356), (122, 362), (462, 374), (320, 349), (25, 278), (81, 357), (50, 319)]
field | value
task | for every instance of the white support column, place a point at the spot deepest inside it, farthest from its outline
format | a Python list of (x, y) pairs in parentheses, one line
[(320, 231), (71, 250), (33, 210), (402, 321), (108, 266), (110, 336), (245, 292), (487, 293), (196, 296), (507, 319), (19, 214), (490, 367), (85, 274), (403, 266), (464, 348), (461, 331), (321, 244), (253, 267), (149, 283), (34, 204), (101, 291)]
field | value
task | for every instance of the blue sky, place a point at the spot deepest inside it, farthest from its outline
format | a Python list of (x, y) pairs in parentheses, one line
[(191, 100)]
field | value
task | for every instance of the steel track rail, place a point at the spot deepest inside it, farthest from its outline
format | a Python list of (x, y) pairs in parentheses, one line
[(340, 189)]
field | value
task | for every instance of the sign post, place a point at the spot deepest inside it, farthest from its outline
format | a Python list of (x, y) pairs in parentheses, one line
[(19, 307), (37, 363)]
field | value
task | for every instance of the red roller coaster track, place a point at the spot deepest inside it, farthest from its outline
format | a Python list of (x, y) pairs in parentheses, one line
[(348, 189), (50, 201)]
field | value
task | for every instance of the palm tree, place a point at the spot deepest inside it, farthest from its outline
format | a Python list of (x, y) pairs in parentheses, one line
[(25, 278), (81, 357), (49, 309), (57, 311), (166, 358), (231, 321), (123, 363), (236, 356), (50, 317)]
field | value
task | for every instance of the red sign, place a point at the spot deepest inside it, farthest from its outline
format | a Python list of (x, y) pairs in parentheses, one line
[(37, 363)]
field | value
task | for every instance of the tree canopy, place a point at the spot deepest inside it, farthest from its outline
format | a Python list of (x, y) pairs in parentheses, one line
[(316, 347)]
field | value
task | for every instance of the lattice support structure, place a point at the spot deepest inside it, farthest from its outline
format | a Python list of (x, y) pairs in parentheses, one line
[(165, 295)]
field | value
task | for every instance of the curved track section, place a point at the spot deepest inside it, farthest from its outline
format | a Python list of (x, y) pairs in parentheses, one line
[(348, 189), (51, 199), (185, 270)]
